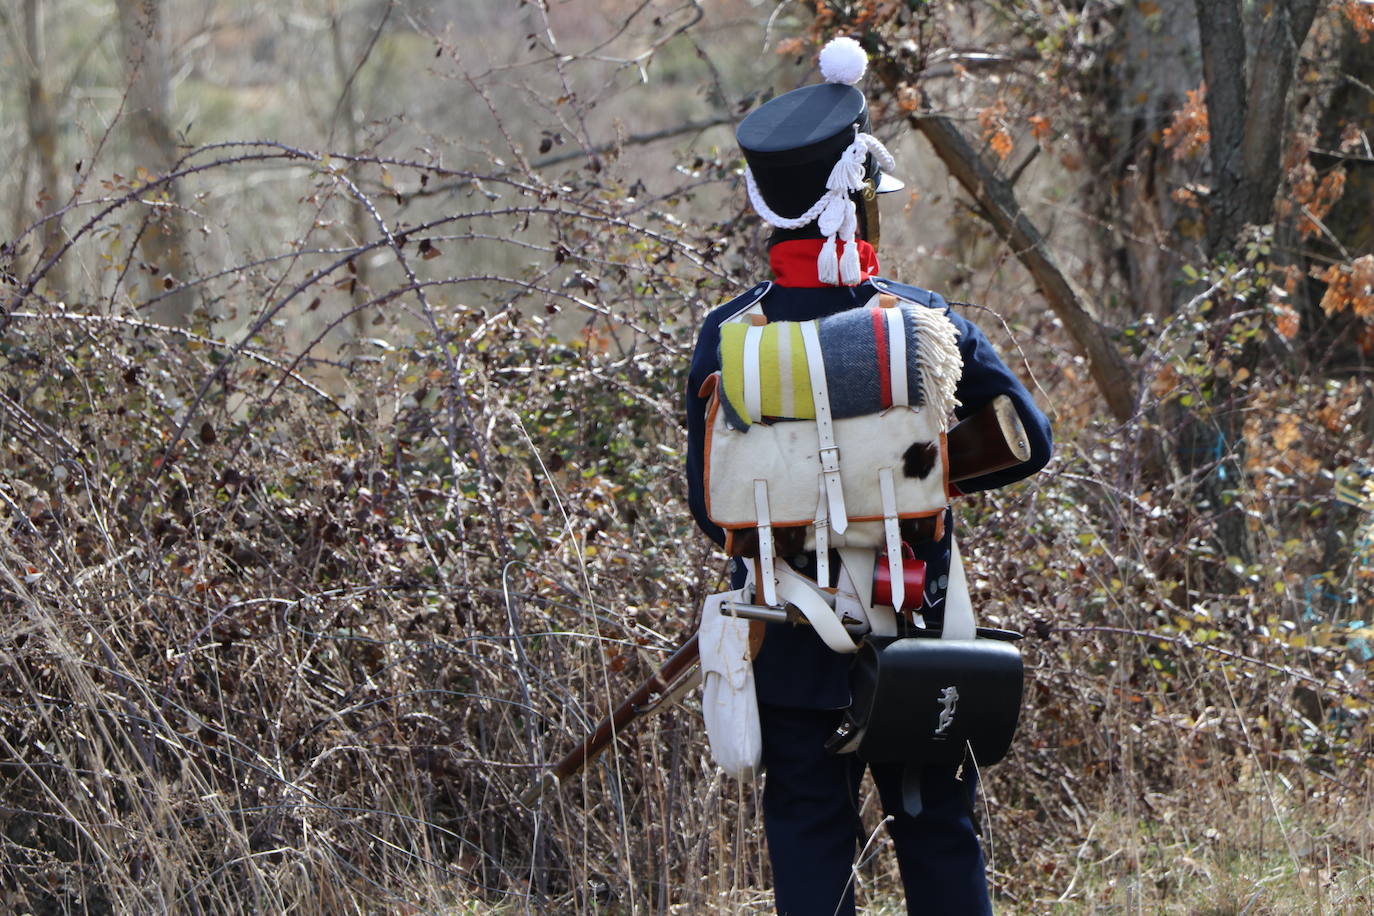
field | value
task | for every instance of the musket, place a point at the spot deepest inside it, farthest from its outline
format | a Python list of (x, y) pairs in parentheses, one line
[(989, 440), (678, 675)]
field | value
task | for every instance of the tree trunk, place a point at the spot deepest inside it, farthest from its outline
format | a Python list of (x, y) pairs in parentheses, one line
[(1247, 108), (42, 131), (360, 221), (1247, 105), (345, 117), (148, 116), (1144, 82), (1351, 105)]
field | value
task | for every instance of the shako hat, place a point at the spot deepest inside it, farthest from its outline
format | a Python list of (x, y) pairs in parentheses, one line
[(808, 150)]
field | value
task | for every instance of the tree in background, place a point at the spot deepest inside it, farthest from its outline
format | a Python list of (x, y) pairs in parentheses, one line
[(148, 101), (30, 43), (292, 619), (1196, 170)]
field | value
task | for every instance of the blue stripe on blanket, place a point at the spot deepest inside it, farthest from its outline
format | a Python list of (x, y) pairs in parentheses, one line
[(851, 370), (848, 345)]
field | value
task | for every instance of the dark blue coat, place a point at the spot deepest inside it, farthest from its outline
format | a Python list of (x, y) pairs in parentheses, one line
[(795, 668)]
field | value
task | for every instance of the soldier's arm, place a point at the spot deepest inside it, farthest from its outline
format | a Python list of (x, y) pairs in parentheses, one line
[(705, 361)]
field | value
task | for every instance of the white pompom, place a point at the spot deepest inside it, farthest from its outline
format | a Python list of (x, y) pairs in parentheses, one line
[(843, 61)]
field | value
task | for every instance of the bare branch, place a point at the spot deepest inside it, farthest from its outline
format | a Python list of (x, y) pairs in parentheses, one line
[(999, 206)]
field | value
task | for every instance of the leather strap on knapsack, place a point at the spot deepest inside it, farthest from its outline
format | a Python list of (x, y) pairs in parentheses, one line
[(825, 427)]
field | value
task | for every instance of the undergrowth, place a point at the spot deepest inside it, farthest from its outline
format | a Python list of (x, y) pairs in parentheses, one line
[(264, 652), (291, 625)]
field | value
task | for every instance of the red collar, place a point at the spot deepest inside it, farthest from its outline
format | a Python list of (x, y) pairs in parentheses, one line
[(794, 262)]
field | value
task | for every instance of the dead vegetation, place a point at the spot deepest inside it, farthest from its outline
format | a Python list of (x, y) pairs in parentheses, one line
[(294, 615)]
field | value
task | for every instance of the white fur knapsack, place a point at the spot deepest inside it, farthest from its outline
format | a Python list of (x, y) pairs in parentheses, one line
[(835, 425)]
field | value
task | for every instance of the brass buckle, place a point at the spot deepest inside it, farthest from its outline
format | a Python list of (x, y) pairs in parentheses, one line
[(869, 195)]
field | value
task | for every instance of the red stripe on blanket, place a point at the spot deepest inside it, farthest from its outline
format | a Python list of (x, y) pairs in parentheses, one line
[(880, 346)]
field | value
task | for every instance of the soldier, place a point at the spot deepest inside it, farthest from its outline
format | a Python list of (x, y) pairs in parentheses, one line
[(824, 260)]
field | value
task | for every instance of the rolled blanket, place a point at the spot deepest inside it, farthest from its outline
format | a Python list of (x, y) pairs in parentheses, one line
[(858, 352)]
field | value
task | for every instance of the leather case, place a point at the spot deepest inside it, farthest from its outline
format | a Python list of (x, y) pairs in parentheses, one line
[(921, 699)]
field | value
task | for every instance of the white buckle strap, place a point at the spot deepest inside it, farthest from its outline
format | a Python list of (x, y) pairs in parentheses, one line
[(893, 537), (802, 594), (766, 564), (753, 388), (857, 564), (822, 538), (896, 355), (825, 430), (795, 589), (959, 622)]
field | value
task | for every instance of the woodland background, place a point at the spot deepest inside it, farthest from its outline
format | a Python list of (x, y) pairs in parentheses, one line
[(341, 348)]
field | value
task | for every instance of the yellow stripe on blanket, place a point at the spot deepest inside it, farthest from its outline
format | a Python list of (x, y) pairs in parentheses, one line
[(785, 383), (732, 362)]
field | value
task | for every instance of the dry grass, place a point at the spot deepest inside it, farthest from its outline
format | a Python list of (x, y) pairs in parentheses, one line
[(289, 627), (308, 668), (281, 652)]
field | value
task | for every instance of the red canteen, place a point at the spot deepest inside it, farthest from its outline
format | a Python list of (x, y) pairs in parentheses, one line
[(913, 579)]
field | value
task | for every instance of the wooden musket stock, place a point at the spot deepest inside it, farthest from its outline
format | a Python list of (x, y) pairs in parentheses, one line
[(990, 440)]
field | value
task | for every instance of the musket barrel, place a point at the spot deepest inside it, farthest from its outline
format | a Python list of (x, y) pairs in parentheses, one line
[(756, 612), (636, 705)]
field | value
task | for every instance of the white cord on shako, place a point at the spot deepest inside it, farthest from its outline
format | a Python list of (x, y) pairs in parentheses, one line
[(842, 61)]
